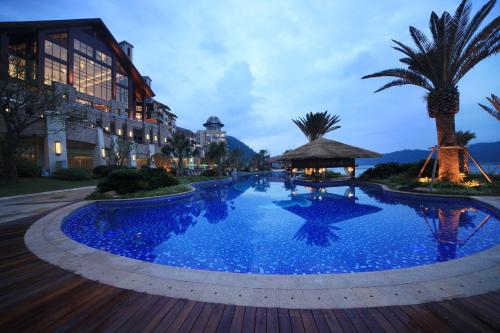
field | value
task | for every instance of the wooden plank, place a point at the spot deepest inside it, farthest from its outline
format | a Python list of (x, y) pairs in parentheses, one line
[(296, 321), (344, 321), (226, 318), (308, 321), (202, 320), (249, 319), (320, 321), (192, 318), (284, 320), (332, 321), (429, 321), (171, 315), (237, 320), (261, 320), (182, 316), (356, 320), (369, 320), (214, 319), (456, 318), (391, 318), (272, 321)]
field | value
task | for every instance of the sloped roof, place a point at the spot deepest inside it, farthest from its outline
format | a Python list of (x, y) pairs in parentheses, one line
[(326, 149), (27, 26)]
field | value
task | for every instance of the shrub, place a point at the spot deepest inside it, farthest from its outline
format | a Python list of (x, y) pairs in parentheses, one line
[(332, 174), (72, 174), (27, 168), (158, 177), (105, 170), (209, 173), (123, 181), (386, 170)]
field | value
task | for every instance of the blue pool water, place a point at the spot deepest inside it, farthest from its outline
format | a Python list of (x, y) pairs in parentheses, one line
[(258, 225)]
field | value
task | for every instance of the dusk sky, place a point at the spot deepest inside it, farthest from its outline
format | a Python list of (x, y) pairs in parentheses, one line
[(258, 64)]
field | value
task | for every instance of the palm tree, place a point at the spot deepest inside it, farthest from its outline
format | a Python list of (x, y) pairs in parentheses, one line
[(495, 110), (179, 146), (216, 153), (315, 125), (463, 139), (437, 65)]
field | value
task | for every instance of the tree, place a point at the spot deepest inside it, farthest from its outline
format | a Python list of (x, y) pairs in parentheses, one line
[(495, 110), (179, 146), (25, 105), (437, 65), (260, 159), (315, 125), (120, 150), (216, 153), (463, 139), (235, 158)]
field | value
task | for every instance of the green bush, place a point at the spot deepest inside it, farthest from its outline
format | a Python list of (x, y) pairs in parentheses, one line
[(123, 181), (158, 177), (27, 168), (105, 170), (72, 174), (386, 170), (131, 180), (209, 173)]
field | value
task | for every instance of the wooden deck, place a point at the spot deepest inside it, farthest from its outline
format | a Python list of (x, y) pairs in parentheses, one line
[(37, 297)]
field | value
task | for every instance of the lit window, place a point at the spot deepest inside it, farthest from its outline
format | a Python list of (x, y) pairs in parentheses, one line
[(138, 116), (17, 67), (103, 153), (84, 48), (103, 57), (147, 137), (58, 147), (56, 51), (119, 131), (165, 140), (156, 138), (131, 134), (55, 71), (92, 78), (122, 94), (83, 102), (133, 157)]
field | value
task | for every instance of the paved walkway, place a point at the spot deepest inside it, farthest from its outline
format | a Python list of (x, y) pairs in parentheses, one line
[(24, 206)]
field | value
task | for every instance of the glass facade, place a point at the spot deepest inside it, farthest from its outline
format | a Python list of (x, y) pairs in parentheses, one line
[(103, 57), (55, 71), (56, 51), (84, 48), (17, 66), (122, 94), (92, 78)]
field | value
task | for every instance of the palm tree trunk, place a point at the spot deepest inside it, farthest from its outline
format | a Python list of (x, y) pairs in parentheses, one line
[(448, 157), (180, 166)]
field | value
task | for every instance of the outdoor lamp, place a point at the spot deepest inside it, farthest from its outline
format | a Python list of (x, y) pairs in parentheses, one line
[(119, 131), (58, 147), (103, 153), (165, 140), (147, 137), (133, 157), (106, 128), (156, 138), (130, 134), (350, 170)]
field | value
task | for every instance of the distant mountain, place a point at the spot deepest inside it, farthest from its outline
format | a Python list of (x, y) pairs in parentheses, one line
[(233, 143), (482, 152)]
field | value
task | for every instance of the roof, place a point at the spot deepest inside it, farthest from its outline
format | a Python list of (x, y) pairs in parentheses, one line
[(327, 149), (27, 26), (185, 130)]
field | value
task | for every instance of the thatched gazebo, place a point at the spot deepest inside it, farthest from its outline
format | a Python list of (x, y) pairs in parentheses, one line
[(324, 153)]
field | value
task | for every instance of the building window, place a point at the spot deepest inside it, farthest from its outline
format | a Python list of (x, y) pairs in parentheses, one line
[(92, 78), (84, 48), (83, 102), (17, 67), (121, 79), (56, 51), (55, 71), (103, 57), (138, 116), (58, 147), (122, 94)]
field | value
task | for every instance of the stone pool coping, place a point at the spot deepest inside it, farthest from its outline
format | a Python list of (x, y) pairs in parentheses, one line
[(468, 276)]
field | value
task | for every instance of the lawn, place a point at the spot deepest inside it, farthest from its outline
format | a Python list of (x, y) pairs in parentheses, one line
[(41, 184)]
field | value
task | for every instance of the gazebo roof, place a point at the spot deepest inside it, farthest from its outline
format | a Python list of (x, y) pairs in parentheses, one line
[(326, 149)]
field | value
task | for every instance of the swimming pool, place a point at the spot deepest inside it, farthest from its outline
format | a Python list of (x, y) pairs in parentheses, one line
[(259, 225)]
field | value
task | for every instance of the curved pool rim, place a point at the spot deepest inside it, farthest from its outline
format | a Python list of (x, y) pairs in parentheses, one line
[(467, 276)]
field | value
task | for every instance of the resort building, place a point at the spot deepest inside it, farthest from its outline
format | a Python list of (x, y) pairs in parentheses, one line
[(213, 133), (100, 85)]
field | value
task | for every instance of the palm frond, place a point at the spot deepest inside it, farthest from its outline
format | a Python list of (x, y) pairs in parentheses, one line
[(315, 125), (407, 76)]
